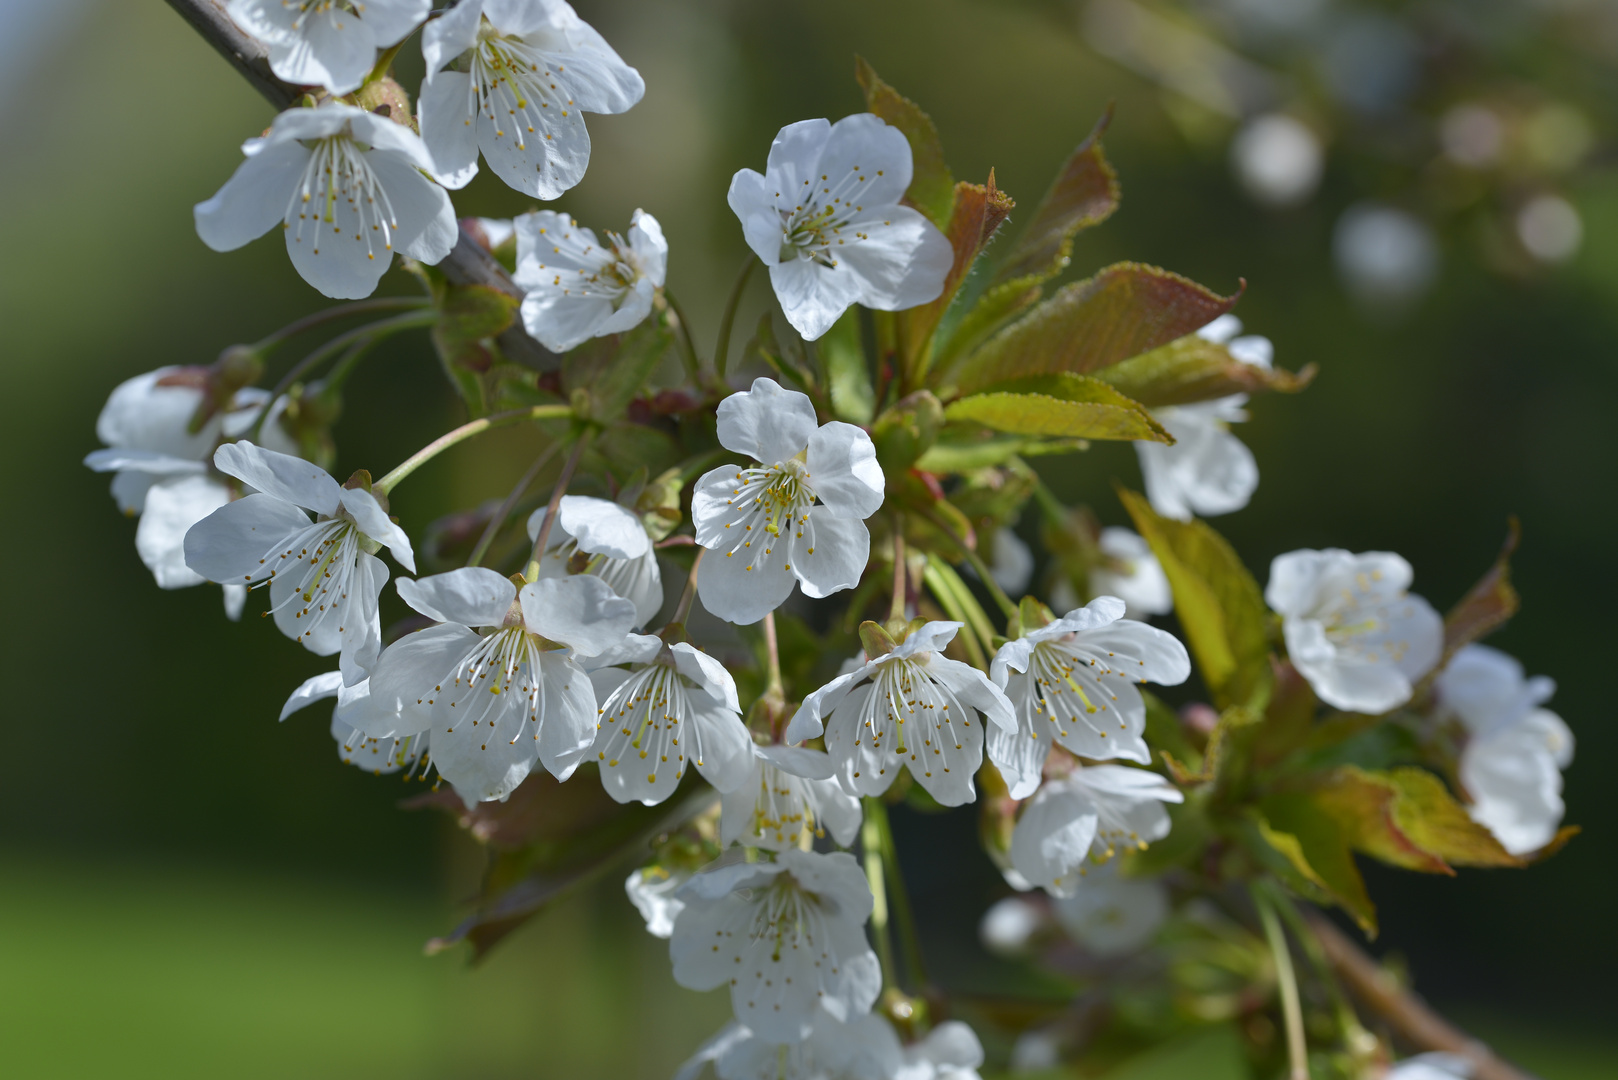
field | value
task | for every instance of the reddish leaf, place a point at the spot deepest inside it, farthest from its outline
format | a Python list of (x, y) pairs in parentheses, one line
[(1194, 369), (1084, 193), (979, 211)]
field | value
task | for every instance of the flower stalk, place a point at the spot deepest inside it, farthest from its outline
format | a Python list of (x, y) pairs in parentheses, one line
[(1287, 981), (499, 519), (721, 352), (466, 431)]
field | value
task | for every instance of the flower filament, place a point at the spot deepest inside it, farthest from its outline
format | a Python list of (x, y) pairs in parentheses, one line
[(771, 500), (646, 711), (902, 691), (499, 676), (337, 180), (814, 227), (513, 85)]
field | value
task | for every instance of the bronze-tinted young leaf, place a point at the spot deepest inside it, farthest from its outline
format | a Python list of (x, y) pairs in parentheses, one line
[(470, 317), (906, 430), (1488, 605), (1218, 603), (1195, 369), (990, 311), (1084, 193), (848, 374), (1071, 406), (932, 188), (1429, 816), (1123, 311), (1364, 806), (980, 210)]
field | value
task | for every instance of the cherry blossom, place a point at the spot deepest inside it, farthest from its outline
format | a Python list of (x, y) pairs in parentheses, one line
[(1111, 915), (348, 189), (598, 537), (671, 704), (375, 755), (787, 937), (788, 800), (1512, 764), (1351, 628), (323, 575), (579, 288), (796, 515), (1088, 814), (825, 218), (1073, 683), (864, 1048), (651, 889), (514, 78), (944, 703), (1207, 470), (497, 682), (330, 43)]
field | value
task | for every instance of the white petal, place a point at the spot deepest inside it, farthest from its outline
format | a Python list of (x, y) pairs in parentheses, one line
[(470, 596), (812, 296), (426, 228), (332, 48), (392, 20), (235, 601), (901, 260), (405, 673), (971, 687), (173, 508), (650, 889), (603, 527), (633, 649), (231, 545), (549, 159), (807, 722), (1138, 652), (843, 470), (726, 758), (568, 726), (561, 322), (375, 523), (317, 688), (833, 556), (1111, 915), (291, 479), (582, 612), (1020, 755), (447, 123), (1053, 837), (707, 673), (767, 423), (146, 462), (647, 241), (753, 202), (253, 199), (1207, 470), (144, 416), (450, 35), (731, 591)]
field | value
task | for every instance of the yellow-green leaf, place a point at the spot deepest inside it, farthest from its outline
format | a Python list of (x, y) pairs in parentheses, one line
[(1123, 311), (1218, 603), (848, 375), (1195, 369), (1071, 406)]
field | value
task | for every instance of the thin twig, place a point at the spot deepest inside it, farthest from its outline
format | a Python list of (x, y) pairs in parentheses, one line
[(683, 608), (1287, 980), (464, 432), (871, 846), (466, 264), (721, 351), (341, 311), (499, 519), (1412, 1019)]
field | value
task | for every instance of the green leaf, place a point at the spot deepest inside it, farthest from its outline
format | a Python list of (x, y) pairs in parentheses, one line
[(1319, 850), (1428, 815), (980, 210), (1123, 311), (906, 431), (1195, 369), (853, 399), (1072, 406), (613, 370), (964, 447), (932, 188), (470, 317), (1084, 193), (1207, 1053), (1218, 603), (997, 304)]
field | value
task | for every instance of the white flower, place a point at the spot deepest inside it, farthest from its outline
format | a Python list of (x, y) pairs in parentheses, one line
[(330, 43), (601, 538), (375, 755), (1090, 813), (348, 189), (324, 578), (764, 519), (672, 705), (578, 288), (529, 70), (1111, 915), (1073, 683), (324, 575), (1512, 763), (909, 708), (498, 700), (865, 1048), (160, 465), (651, 889), (1207, 470), (1128, 570), (1351, 628), (825, 218), (1433, 1066), (950, 1051), (787, 937), (787, 801)]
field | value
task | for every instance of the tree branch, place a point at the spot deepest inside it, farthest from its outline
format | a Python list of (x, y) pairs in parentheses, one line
[(466, 264), (1411, 1018)]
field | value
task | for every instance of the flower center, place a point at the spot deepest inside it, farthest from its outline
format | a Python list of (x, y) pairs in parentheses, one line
[(789, 920), (497, 677), (783, 807), (1061, 696), (901, 693), (817, 223), (319, 561), (306, 8), (644, 714), (774, 503), (339, 193), (516, 85)]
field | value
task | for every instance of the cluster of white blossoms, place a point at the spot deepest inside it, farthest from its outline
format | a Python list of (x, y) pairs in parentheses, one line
[(568, 663)]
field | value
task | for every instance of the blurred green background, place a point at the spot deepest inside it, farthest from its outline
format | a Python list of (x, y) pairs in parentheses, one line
[(189, 889)]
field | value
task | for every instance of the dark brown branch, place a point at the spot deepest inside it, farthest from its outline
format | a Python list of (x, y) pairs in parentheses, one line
[(1412, 1019), (466, 264)]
